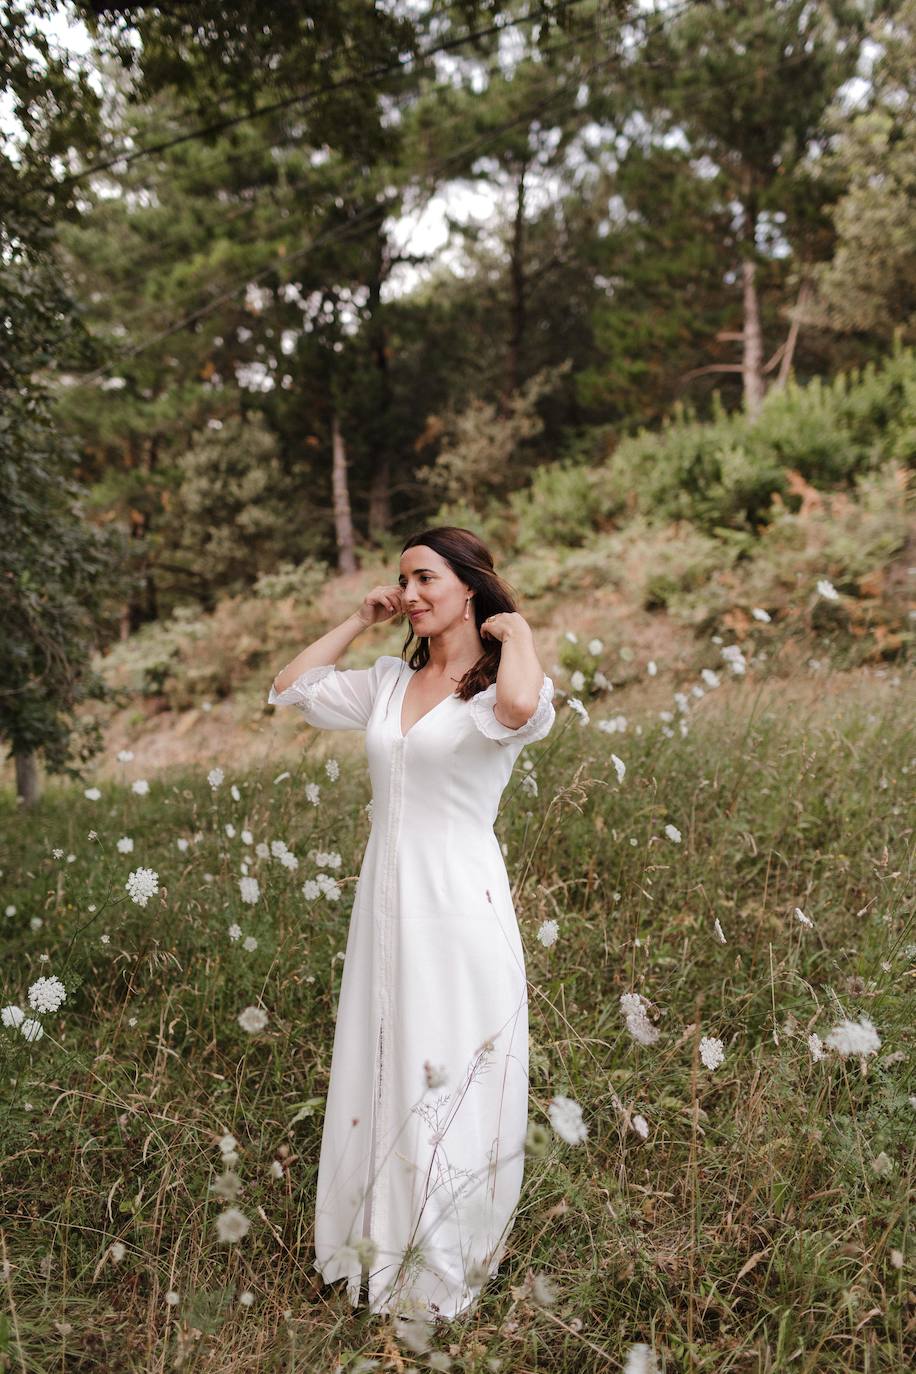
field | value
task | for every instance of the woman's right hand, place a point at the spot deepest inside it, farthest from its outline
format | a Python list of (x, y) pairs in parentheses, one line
[(380, 604)]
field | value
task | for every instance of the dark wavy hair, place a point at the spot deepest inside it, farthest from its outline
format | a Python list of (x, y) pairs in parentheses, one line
[(471, 561)]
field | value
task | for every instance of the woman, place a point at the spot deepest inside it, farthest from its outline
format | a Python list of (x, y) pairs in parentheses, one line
[(422, 1150)]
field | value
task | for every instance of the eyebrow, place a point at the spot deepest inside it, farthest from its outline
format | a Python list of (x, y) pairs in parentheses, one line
[(419, 570)]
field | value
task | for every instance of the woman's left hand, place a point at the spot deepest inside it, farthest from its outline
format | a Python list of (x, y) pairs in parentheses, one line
[(503, 624)]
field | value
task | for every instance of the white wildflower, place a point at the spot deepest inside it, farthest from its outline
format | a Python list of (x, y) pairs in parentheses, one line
[(854, 1037), (140, 786), (247, 837), (572, 636), (640, 1126), (230, 830), (277, 848), (310, 890), (543, 1290), (566, 1119), (58, 854), (720, 933), (709, 677), (282, 777), (32, 1030), (246, 1298), (117, 1250), (227, 1144), (332, 768), (235, 793), (673, 833), (172, 1298), (232, 1225), (577, 680), (547, 933), (12, 1016), (35, 923), (595, 647), (92, 793), (634, 1005), (289, 860), (576, 705), (215, 777), (125, 755), (760, 614), (182, 844), (802, 918), (826, 589), (250, 890), (142, 884), (252, 1019), (652, 667), (47, 994), (250, 944), (712, 1051), (816, 1046), (529, 784), (734, 658), (262, 850), (312, 793), (640, 1360), (125, 845), (620, 767), (235, 931)]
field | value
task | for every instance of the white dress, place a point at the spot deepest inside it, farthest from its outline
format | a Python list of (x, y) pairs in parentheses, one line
[(422, 1148)]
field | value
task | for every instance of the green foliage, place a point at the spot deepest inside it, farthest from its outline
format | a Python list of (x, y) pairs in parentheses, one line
[(303, 580), (723, 473), (231, 515), (561, 505)]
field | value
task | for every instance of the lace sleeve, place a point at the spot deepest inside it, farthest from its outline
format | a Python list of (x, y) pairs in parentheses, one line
[(537, 725), (333, 698)]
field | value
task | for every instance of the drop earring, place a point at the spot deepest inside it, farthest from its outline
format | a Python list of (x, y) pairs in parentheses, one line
[(467, 608)]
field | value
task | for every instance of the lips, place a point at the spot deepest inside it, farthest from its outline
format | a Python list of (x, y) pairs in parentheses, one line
[(415, 614)]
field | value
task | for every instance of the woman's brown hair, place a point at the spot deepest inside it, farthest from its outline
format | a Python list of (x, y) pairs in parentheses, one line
[(471, 561)]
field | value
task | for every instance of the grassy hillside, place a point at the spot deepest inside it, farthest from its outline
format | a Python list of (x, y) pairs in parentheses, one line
[(748, 1217)]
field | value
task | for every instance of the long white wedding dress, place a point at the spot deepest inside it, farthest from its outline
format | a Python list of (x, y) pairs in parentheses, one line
[(423, 1141)]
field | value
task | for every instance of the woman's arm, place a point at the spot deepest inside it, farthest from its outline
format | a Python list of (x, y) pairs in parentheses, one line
[(328, 649), (519, 675)]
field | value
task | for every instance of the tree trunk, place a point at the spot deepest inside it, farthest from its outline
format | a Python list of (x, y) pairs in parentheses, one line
[(785, 366), (518, 307), (26, 778), (343, 520), (379, 520), (752, 356)]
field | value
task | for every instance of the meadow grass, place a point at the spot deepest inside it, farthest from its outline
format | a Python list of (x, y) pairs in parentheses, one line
[(751, 1217)]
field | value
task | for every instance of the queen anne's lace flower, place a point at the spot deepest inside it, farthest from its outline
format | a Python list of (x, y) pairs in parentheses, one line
[(816, 1046), (250, 890), (712, 1051), (215, 777), (47, 994), (142, 884), (802, 918), (125, 845), (547, 933), (141, 787), (826, 589), (633, 1005), (854, 1037), (673, 833), (232, 1225), (12, 1016), (566, 1119), (252, 1019), (640, 1360), (32, 1030)]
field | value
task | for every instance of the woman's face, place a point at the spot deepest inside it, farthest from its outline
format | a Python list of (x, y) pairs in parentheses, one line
[(430, 590)]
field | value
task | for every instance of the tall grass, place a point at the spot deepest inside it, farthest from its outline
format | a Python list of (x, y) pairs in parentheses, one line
[(759, 1224)]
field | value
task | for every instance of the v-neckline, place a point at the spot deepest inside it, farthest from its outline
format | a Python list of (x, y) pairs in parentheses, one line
[(401, 732)]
